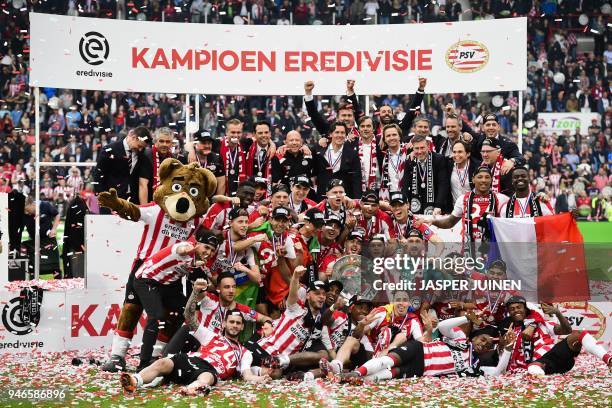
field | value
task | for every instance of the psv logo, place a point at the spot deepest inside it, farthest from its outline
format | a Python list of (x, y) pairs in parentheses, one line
[(467, 56)]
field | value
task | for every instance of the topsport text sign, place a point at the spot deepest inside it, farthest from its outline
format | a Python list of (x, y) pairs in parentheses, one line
[(104, 54)]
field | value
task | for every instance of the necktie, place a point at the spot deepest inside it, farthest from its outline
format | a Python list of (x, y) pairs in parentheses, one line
[(129, 158)]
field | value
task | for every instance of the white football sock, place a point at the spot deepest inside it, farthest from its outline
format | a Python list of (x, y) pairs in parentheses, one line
[(535, 369), (385, 374), (138, 380), (157, 348), (284, 360), (336, 366), (120, 345), (309, 376), (375, 365), (591, 346)]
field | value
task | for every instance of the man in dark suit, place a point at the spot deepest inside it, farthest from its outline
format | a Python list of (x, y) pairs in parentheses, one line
[(509, 150), (426, 184), (339, 160), (118, 164), (492, 157)]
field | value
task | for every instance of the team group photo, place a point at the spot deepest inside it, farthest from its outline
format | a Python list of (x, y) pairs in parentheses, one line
[(305, 203)]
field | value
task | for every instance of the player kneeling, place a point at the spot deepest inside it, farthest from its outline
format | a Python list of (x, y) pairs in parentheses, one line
[(221, 356)]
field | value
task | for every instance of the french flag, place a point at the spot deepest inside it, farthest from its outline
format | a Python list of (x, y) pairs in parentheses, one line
[(545, 253)]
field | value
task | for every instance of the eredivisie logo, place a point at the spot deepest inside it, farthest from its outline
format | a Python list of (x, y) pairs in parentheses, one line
[(467, 56)]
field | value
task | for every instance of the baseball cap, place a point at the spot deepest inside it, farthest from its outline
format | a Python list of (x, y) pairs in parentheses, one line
[(334, 218), (334, 183), (516, 299), (370, 196), (359, 299), (281, 212), (396, 197), (491, 143), (356, 234), (260, 181), (207, 237), (237, 212), (280, 187), (316, 285), (315, 216), (488, 117), (301, 180), (378, 237), (202, 135)]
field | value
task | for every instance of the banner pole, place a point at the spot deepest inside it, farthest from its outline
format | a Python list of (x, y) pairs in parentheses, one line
[(197, 110), (520, 121), (367, 105), (37, 186), (187, 117)]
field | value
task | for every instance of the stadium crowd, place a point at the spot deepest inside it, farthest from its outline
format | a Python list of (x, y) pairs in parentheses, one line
[(303, 182)]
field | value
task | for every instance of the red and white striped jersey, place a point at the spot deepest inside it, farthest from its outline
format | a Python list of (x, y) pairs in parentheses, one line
[(165, 266), (226, 356), (542, 341), (438, 357), (217, 216), (290, 334), (380, 223), (212, 313), (161, 231), (334, 335)]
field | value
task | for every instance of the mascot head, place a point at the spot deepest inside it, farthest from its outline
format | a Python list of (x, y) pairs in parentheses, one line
[(183, 190)]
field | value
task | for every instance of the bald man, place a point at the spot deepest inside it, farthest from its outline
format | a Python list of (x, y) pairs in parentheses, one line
[(292, 159)]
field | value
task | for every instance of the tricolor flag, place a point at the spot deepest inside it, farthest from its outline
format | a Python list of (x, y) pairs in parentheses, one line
[(546, 254)]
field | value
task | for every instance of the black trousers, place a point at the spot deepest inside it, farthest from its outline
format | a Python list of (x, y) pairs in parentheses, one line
[(156, 299), (181, 342)]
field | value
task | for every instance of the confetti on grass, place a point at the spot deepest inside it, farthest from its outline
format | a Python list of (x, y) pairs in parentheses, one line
[(589, 384)]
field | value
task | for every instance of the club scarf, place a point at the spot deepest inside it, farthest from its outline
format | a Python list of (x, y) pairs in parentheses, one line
[(535, 210), (385, 185), (471, 220), (428, 180), (496, 174), (157, 159), (368, 180)]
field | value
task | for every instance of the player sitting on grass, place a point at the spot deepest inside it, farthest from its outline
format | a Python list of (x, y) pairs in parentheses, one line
[(221, 356)]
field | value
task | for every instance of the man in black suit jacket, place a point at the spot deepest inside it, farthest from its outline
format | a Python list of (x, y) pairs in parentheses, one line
[(509, 150), (118, 164), (426, 183), (339, 160), (490, 152)]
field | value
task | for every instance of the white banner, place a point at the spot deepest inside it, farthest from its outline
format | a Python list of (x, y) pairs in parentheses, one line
[(107, 54), (558, 122)]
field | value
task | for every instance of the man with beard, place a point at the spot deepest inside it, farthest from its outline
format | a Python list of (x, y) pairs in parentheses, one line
[(535, 335), (233, 155), (306, 241), (217, 215), (331, 248), (451, 355), (385, 112), (152, 159), (491, 156), (292, 159), (298, 328), (393, 160), (278, 253), (344, 322), (279, 197), (373, 220), (212, 308), (473, 208), (452, 125), (221, 356), (523, 203), (509, 150), (425, 182), (298, 199), (381, 327), (346, 111), (461, 169), (208, 159), (258, 163)]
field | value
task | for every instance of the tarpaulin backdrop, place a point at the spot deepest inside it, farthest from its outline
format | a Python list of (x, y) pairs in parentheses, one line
[(107, 54)]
